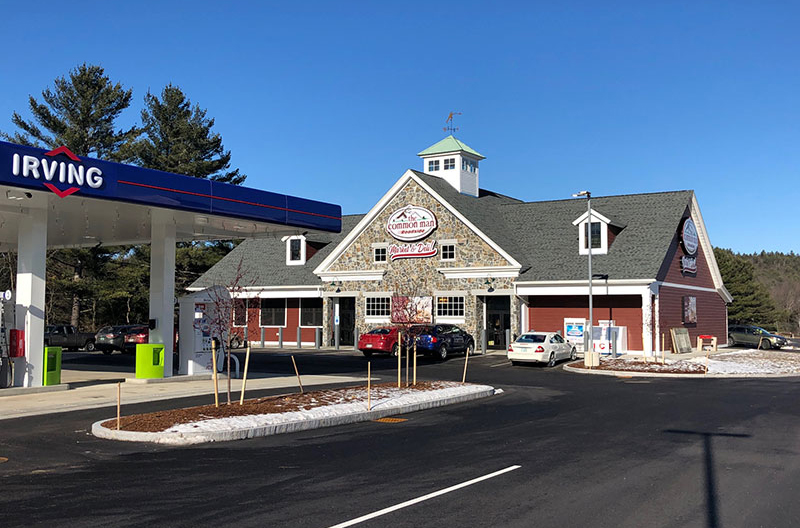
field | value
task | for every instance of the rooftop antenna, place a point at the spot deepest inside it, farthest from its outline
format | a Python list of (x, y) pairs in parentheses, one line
[(449, 123)]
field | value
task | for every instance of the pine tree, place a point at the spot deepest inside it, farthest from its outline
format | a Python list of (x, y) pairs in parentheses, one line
[(752, 303), (178, 138), (80, 112)]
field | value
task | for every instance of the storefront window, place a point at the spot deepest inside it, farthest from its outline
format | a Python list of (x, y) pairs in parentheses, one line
[(310, 312), (240, 312), (449, 307), (378, 307), (273, 312)]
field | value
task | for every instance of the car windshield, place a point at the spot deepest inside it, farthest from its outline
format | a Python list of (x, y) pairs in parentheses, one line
[(531, 338), (760, 330), (117, 329), (380, 331), (104, 330)]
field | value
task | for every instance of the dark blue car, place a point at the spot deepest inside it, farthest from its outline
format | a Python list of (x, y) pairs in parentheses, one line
[(440, 340)]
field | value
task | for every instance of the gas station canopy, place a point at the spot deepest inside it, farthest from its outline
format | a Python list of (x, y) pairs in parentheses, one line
[(55, 199)]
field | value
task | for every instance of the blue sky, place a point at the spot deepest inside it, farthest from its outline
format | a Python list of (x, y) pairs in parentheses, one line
[(332, 100)]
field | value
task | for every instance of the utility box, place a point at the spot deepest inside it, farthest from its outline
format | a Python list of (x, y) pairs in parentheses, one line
[(52, 366), (149, 361), (199, 327)]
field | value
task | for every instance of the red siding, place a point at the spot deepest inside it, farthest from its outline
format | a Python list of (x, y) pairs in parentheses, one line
[(547, 313), (271, 333), (712, 314)]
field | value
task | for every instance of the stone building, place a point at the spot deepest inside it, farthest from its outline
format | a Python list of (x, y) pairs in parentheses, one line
[(487, 262)]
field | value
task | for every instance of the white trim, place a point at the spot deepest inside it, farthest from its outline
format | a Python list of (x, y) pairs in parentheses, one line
[(358, 275), (279, 292), (708, 249), (599, 288), (324, 266), (611, 282), (603, 249), (377, 320), (302, 260), (686, 287), (447, 319), (497, 292), (449, 293), (595, 215), (482, 272)]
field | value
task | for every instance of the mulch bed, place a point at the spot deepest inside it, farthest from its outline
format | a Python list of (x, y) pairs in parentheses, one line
[(163, 420), (641, 366)]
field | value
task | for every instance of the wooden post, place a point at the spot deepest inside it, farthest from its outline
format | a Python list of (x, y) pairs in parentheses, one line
[(759, 342), (214, 375), (298, 375), (408, 353), (707, 353), (244, 380), (415, 364), (663, 341), (119, 397), (466, 360), (399, 356), (369, 386)]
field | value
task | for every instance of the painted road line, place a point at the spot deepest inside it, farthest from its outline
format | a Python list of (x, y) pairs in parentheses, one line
[(500, 364), (423, 498)]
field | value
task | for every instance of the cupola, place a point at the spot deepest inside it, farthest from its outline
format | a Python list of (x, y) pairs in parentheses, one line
[(454, 162)]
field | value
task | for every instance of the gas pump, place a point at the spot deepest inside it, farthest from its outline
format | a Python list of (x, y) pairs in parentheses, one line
[(198, 325), (6, 325)]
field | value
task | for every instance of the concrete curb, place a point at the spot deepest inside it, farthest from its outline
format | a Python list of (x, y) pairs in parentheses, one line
[(639, 374), (16, 391), (289, 427)]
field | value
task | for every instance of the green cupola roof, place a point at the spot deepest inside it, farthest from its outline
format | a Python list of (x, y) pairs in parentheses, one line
[(449, 144)]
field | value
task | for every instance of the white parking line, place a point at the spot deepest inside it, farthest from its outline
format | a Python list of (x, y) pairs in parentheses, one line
[(423, 498), (499, 364)]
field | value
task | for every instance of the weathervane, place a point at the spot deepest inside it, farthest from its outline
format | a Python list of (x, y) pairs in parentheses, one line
[(449, 122)]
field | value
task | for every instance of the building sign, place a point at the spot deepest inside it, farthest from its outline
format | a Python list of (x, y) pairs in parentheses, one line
[(51, 168), (690, 242), (414, 250), (690, 310), (411, 223), (406, 310)]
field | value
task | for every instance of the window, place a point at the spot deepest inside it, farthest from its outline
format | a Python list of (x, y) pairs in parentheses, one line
[(380, 254), (450, 307), (433, 165), (240, 312), (273, 312), (464, 165), (449, 163), (378, 307), (310, 312), (448, 251), (294, 249), (596, 238)]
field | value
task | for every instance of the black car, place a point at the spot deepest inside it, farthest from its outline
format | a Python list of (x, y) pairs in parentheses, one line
[(111, 338), (439, 340)]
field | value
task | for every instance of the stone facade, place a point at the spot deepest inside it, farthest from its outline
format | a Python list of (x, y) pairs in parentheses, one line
[(419, 276)]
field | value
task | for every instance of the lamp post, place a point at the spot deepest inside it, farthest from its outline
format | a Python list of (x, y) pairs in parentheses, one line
[(589, 358)]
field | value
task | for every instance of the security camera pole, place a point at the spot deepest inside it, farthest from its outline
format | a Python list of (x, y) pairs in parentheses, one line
[(589, 357)]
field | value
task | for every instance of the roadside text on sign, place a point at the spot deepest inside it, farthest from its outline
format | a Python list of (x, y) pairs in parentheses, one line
[(416, 250), (51, 170), (411, 223)]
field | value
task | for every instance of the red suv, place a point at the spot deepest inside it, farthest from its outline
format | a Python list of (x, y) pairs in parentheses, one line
[(383, 339)]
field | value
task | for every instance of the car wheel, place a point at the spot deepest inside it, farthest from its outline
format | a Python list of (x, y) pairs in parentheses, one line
[(573, 355), (765, 344), (470, 350), (443, 352), (89, 346), (731, 340), (552, 361), (394, 350), (367, 353)]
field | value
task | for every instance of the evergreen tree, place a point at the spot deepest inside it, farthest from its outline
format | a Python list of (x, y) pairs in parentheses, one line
[(80, 112), (178, 138), (752, 303)]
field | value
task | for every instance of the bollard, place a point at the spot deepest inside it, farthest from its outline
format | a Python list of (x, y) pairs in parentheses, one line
[(263, 331), (299, 338), (508, 337), (317, 337), (336, 337), (280, 337), (355, 339), (484, 339)]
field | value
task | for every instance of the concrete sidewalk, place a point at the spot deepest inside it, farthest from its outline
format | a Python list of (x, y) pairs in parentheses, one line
[(104, 395)]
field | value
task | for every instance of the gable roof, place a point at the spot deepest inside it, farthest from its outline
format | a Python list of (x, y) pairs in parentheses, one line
[(264, 261), (450, 144)]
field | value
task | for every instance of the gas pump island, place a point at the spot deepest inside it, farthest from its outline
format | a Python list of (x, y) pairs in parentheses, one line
[(54, 199)]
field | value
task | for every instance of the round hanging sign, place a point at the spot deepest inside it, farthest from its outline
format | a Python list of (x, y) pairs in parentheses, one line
[(411, 223), (689, 239)]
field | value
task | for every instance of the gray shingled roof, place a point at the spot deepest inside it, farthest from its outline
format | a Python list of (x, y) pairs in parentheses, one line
[(539, 235), (264, 261)]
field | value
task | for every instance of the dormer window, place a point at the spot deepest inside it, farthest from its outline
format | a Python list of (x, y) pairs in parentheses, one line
[(597, 234), (433, 165), (295, 250)]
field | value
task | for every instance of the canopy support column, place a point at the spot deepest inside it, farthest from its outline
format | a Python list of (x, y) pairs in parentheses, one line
[(162, 283), (31, 267)]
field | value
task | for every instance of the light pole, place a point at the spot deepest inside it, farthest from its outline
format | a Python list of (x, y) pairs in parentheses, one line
[(588, 355)]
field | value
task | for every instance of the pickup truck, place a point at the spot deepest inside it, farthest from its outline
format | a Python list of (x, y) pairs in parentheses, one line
[(68, 338)]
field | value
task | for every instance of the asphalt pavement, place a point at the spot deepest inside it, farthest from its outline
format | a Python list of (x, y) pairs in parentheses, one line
[(592, 451)]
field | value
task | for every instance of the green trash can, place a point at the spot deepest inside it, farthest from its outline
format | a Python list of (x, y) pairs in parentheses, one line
[(52, 366), (149, 361)]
